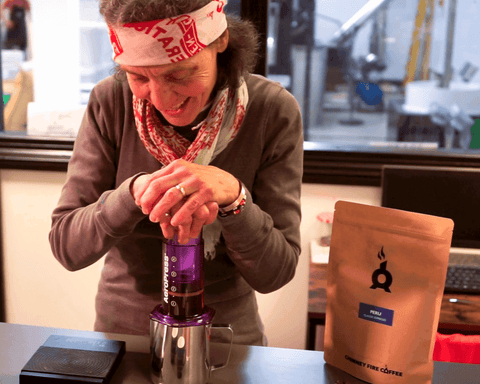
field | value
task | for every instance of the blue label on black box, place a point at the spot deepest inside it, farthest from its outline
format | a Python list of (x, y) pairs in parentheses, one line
[(376, 314)]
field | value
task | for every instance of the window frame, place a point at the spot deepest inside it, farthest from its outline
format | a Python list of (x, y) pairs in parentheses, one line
[(323, 163)]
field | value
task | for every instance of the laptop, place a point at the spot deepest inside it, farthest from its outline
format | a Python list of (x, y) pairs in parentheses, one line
[(447, 192)]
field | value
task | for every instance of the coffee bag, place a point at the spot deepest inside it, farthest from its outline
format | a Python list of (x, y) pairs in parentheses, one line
[(385, 281)]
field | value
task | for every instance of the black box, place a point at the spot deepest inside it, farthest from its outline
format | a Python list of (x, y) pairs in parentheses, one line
[(70, 359)]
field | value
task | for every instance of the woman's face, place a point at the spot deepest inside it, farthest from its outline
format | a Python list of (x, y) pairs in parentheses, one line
[(179, 90)]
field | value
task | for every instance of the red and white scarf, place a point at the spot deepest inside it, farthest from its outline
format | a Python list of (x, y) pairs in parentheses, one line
[(215, 132)]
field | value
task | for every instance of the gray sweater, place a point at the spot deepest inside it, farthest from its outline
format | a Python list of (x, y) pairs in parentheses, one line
[(96, 216)]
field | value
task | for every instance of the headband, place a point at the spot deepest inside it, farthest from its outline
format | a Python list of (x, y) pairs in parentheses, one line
[(168, 40)]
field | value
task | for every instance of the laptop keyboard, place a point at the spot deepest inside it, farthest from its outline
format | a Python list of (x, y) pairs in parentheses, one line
[(463, 274)]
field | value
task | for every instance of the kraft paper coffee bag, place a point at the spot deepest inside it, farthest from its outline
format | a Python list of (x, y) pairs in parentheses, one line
[(385, 281)]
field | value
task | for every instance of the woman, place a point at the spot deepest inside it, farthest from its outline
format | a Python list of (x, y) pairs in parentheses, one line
[(188, 134)]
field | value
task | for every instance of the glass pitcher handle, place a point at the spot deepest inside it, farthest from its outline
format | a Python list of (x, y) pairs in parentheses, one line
[(223, 326)]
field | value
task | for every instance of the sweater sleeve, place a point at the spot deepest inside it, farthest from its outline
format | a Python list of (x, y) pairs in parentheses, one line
[(92, 215), (264, 239)]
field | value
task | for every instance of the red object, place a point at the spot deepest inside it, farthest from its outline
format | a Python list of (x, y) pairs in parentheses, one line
[(19, 3), (457, 348), (325, 217)]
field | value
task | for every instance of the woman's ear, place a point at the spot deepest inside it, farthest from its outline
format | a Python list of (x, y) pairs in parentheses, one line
[(222, 41)]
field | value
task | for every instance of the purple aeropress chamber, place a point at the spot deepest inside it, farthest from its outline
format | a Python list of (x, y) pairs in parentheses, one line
[(183, 278)]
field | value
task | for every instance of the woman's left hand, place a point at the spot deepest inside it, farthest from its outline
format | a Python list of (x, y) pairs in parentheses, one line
[(183, 190)]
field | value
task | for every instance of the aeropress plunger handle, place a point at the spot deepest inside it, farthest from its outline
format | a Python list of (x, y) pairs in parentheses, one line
[(183, 277)]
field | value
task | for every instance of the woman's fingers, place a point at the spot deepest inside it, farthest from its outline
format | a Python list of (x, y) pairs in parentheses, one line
[(212, 212), (166, 203), (184, 233), (140, 184), (197, 197), (155, 191), (189, 193), (192, 227), (200, 218), (167, 228)]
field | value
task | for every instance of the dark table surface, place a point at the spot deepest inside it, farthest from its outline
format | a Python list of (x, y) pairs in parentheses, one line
[(247, 364)]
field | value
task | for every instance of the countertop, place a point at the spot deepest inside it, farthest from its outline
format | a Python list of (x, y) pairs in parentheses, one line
[(247, 364)]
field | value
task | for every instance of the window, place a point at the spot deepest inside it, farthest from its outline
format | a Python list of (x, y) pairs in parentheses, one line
[(351, 66), (95, 49)]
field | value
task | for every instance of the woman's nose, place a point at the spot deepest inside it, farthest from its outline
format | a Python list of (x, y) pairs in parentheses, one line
[(161, 95)]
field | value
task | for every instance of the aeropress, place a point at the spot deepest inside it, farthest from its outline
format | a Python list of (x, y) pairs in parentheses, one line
[(180, 326)]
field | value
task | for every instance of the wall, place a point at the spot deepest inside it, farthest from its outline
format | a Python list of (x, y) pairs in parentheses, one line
[(39, 291)]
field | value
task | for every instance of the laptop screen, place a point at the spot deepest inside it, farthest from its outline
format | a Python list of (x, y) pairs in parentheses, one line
[(439, 191)]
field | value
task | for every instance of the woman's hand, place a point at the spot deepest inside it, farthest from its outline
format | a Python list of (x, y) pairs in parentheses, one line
[(192, 227), (194, 203)]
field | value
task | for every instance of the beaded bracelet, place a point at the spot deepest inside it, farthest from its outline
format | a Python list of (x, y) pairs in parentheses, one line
[(236, 207)]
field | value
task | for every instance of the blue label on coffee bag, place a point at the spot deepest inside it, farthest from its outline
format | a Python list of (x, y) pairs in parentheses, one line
[(376, 314)]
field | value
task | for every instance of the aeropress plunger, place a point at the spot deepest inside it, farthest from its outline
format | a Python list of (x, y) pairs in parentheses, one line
[(180, 326)]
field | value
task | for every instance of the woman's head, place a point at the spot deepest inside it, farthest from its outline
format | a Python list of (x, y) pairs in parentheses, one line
[(179, 91), (236, 60)]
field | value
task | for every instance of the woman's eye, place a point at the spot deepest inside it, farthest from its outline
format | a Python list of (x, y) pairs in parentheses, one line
[(139, 79), (175, 79), (177, 76)]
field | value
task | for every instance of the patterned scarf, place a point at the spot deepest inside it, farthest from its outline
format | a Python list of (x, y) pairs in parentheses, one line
[(214, 134)]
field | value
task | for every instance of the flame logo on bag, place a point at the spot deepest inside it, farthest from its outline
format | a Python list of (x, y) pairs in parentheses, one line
[(381, 255), (382, 271)]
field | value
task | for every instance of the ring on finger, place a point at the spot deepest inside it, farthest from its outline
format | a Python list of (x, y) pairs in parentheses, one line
[(181, 189)]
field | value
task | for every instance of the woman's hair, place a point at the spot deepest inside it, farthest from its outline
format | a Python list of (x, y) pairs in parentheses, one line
[(238, 59)]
